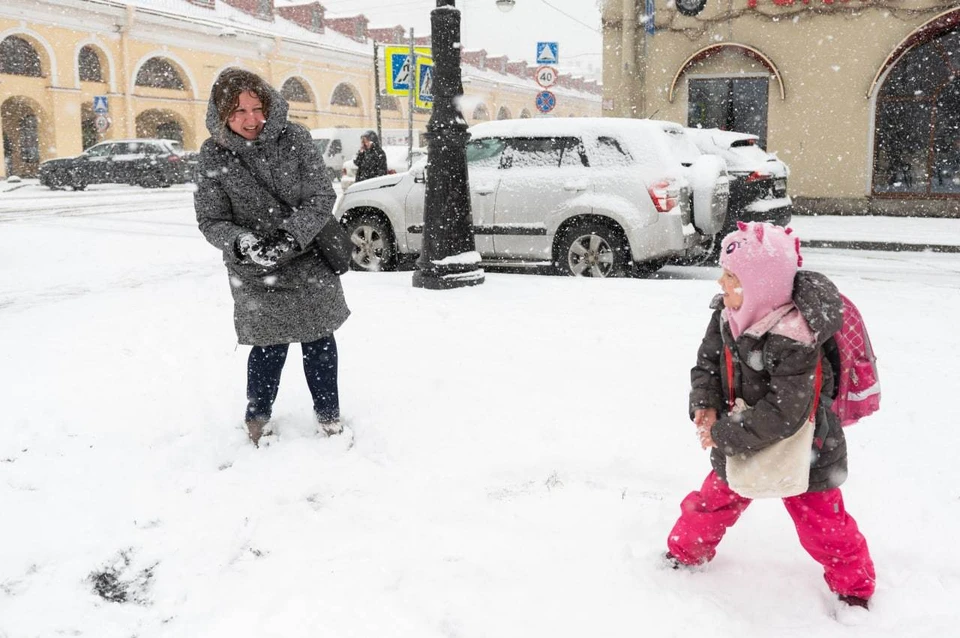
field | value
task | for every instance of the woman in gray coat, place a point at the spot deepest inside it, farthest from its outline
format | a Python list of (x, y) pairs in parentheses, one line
[(262, 196)]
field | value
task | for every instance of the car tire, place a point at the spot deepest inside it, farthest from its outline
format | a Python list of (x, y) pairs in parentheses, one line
[(374, 245), (592, 249)]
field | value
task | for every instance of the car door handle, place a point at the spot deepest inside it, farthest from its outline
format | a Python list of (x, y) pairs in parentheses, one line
[(484, 191), (574, 187)]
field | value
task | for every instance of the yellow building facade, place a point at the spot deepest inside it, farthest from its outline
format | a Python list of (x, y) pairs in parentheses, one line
[(152, 64)]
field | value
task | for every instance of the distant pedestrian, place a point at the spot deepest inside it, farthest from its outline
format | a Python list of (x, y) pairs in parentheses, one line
[(761, 378), (371, 161), (262, 197)]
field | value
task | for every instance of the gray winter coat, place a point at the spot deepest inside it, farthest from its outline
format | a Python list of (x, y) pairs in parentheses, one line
[(774, 374), (300, 299)]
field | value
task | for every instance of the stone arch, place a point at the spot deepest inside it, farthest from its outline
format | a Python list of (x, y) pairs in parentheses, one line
[(297, 84), (916, 109), (48, 60), (186, 76), (345, 94), (481, 113), (503, 113), (166, 124), (106, 62), (714, 49), (27, 133)]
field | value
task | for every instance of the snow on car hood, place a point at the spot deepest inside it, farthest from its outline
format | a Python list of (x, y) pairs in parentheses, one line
[(375, 183)]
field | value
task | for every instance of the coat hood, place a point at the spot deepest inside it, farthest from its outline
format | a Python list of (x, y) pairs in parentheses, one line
[(276, 121), (818, 300), (373, 137)]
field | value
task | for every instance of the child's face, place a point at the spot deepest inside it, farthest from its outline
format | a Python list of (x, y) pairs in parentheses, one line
[(732, 293)]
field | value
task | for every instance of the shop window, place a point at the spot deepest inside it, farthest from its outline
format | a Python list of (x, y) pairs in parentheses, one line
[(88, 64), (344, 95), (18, 57), (157, 73), (917, 137), (294, 91), (729, 104)]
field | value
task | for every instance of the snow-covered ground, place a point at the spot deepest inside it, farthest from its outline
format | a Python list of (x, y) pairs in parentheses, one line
[(521, 451)]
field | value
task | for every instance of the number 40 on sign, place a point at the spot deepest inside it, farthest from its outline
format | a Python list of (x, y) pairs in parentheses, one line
[(546, 76)]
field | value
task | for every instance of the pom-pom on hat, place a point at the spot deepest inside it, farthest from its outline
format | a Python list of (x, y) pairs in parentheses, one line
[(765, 259)]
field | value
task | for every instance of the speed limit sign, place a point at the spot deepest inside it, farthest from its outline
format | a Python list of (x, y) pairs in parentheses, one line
[(546, 76)]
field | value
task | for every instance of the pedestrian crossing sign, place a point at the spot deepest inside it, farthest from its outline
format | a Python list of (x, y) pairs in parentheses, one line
[(399, 71), (423, 98), (100, 104)]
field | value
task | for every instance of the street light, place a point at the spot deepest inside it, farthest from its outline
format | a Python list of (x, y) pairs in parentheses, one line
[(448, 257)]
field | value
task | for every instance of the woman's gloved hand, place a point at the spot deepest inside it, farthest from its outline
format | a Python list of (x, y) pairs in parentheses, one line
[(265, 251)]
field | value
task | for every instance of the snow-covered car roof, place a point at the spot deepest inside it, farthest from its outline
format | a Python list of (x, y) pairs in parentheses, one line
[(741, 151), (649, 141)]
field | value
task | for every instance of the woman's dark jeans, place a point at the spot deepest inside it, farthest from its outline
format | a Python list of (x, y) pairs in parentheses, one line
[(319, 365)]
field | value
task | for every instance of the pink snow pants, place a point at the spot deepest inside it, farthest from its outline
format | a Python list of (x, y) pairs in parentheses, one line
[(826, 531)]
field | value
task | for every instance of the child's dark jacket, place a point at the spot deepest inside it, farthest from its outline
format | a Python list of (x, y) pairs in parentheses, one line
[(774, 374)]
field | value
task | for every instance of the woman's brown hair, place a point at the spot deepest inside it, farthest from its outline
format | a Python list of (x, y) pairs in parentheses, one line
[(228, 87)]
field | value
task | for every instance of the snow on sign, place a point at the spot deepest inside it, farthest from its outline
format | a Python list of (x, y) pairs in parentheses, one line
[(546, 76), (548, 52), (546, 101), (399, 71)]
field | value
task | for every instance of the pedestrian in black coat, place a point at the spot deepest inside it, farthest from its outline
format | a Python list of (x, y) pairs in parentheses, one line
[(371, 161)]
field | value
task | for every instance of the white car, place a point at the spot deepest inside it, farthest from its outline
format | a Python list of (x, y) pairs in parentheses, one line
[(592, 196), (758, 187), (397, 162)]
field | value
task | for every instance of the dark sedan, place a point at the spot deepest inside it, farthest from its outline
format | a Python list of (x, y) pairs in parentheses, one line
[(150, 163)]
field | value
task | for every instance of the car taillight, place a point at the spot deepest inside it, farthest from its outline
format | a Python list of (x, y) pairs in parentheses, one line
[(391, 172), (756, 176), (173, 158), (343, 172), (664, 196)]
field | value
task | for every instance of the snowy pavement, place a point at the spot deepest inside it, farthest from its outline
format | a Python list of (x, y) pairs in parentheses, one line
[(521, 451)]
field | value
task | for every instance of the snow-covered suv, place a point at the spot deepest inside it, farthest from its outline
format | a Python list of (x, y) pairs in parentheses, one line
[(592, 196)]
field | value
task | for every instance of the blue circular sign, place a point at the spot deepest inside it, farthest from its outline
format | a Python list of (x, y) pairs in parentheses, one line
[(546, 100)]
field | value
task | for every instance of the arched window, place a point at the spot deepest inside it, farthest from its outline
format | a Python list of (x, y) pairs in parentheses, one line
[(389, 103), (88, 64), (503, 113), (524, 114), (157, 73), (294, 91), (344, 95), (481, 114), (917, 143), (18, 57)]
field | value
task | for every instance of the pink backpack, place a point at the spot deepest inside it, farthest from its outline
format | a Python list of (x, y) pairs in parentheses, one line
[(858, 383)]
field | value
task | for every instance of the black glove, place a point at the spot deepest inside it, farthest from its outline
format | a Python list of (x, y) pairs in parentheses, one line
[(265, 251)]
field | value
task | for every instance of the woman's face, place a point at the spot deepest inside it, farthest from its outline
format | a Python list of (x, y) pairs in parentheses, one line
[(732, 293), (247, 119)]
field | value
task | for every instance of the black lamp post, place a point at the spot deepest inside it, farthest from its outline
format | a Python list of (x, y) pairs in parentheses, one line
[(448, 257)]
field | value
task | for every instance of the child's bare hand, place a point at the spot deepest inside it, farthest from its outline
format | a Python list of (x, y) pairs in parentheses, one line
[(706, 438), (704, 417)]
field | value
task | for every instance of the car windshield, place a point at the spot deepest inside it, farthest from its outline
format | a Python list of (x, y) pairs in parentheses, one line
[(485, 152), (98, 151)]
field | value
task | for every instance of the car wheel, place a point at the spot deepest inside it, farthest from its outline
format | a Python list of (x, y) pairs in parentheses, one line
[(592, 249), (374, 247)]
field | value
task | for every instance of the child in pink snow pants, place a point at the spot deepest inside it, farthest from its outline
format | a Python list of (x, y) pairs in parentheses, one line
[(762, 346)]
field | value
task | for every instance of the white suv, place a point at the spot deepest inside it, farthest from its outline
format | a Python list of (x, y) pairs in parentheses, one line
[(592, 196)]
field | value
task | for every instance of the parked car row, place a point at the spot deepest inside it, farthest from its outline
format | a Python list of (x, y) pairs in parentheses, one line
[(594, 197), (147, 162)]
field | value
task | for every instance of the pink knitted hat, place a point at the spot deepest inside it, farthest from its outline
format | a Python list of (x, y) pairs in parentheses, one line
[(765, 258)]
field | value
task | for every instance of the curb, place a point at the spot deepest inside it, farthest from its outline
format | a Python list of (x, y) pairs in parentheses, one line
[(887, 246)]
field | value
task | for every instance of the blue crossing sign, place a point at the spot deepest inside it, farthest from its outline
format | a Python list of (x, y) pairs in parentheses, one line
[(100, 104), (548, 52), (546, 100)]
